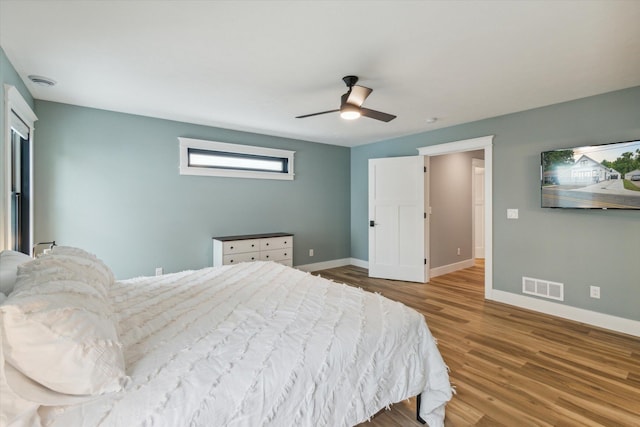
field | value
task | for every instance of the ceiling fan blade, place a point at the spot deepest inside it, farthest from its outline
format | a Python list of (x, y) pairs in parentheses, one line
[(317, 114), (358, 94), (378, 115)]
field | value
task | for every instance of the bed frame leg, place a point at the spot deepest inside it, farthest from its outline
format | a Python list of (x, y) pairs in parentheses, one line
[(418, 417)]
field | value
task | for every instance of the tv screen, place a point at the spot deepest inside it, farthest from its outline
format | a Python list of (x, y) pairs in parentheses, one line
[(605, 176)]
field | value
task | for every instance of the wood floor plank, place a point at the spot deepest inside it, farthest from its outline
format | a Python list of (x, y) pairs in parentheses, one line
[(510, 366)]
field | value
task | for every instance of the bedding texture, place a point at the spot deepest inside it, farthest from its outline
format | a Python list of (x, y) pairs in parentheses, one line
[(59, 337), (261, 344), (9, 262)]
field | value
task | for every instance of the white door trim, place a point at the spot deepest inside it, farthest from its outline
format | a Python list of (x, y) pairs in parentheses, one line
[(483, 143), (13, 101)]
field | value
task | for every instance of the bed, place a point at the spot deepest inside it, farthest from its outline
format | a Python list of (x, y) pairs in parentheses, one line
[(252, 344)]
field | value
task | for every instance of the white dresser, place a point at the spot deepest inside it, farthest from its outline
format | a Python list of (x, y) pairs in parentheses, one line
[(276, 247)]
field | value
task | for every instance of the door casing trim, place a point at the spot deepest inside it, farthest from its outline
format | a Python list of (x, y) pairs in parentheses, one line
[(482, 143)]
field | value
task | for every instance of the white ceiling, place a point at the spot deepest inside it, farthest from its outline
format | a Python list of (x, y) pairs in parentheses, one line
[(255, 65)]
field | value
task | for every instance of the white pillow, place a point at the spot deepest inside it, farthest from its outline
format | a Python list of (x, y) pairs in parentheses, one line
[(58, 328), (15, 410), (78, 264), (9, 262), (21, 397)]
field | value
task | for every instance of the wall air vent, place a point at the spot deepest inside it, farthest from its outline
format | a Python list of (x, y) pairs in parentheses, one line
[(543, 288)]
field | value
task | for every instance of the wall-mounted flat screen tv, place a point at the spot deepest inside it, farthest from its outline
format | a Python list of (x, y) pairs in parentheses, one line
[(605, 176)]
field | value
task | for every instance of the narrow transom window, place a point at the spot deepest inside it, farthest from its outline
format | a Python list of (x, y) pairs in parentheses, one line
[(222, 160), (199, 157)]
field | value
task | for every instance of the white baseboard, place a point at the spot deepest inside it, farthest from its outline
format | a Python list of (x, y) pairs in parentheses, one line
[(333, 264), (601, 320), (450, 268), (325, 265), (359, 263)]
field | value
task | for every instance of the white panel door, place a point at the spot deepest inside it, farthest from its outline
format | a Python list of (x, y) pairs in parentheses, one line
[(398, 231), (478, 207)]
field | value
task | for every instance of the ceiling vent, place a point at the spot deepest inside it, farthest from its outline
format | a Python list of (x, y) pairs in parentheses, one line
[(42, 81)]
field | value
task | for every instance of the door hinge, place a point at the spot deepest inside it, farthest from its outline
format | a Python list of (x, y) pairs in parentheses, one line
[(425, 215), (425, 261), (425, 169)]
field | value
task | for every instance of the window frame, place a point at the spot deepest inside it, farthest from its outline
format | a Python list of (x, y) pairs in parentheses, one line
[(242, 151), (15, 107)]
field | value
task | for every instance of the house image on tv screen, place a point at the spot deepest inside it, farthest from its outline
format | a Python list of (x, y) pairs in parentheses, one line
[(582, 172), (587, 171), (603, 176)]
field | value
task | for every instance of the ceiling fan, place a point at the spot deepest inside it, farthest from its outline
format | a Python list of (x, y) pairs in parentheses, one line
[(351, 103)]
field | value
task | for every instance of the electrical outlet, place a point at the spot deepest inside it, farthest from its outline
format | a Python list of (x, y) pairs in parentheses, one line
[(512, 213), (159, 271), (594, 292)]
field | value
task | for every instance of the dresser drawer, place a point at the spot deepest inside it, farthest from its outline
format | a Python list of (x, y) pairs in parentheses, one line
[(276, 247), (242, 257), (240, 246), (276, 243), (277, 255)]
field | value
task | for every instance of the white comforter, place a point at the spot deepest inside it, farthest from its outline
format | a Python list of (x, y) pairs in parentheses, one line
[(260, 344)]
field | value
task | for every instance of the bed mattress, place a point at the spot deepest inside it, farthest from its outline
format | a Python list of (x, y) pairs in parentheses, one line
[(261, 344)]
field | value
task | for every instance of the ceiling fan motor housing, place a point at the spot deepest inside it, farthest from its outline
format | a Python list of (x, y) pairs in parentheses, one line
[(350, 80)]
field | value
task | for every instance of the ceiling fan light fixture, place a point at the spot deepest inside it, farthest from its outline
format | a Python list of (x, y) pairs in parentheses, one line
[(350, 112)]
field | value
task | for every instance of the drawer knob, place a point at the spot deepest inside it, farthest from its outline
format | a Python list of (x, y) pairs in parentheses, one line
[(230, 261), (267, 256), (285, 242), (231, 247), (267, 244), (252, 245), (252, 258)]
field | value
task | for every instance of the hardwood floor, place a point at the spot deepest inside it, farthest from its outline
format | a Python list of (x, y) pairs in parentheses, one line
[(513, 367)]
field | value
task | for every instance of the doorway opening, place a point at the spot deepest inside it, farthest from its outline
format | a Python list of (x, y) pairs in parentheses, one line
[(483, 143)]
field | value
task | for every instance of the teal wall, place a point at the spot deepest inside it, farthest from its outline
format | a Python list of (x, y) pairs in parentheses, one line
[(109, 182), (9, 75), (579, 248)]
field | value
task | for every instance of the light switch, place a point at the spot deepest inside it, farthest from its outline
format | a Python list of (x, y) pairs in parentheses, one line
[(512, 213)]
